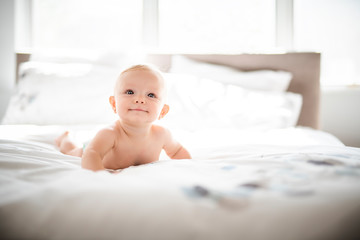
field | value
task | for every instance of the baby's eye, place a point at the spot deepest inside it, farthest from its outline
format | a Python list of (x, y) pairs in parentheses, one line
[(130, 92), (151, 95)]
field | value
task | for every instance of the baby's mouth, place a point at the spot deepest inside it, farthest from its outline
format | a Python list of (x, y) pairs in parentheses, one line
[(138, 110)]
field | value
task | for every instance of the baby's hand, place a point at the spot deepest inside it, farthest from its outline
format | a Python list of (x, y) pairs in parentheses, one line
[(114, 171)]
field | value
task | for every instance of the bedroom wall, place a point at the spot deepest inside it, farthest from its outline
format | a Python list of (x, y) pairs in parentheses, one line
[(7, 50), (340, 113)]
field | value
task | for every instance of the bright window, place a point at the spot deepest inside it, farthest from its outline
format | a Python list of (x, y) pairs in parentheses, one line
[(186, 25), (332, 28), (227, 26), (216, 25), (86, 23)]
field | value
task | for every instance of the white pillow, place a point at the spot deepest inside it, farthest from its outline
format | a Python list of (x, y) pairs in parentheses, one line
[(62, 96), (201, 103), (64, 56), (55, 93), (54, 70), (266, 80)]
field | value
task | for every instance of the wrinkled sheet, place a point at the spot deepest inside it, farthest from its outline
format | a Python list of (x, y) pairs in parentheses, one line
[(282, 184)]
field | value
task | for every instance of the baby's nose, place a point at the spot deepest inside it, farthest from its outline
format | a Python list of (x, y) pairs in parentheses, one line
[(139, 100)]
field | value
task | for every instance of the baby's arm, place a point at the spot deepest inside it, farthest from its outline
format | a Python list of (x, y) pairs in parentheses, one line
[(96, 150), (174, 149)]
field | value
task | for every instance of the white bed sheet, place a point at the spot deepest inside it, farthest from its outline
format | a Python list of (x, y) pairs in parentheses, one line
[(293, 183)]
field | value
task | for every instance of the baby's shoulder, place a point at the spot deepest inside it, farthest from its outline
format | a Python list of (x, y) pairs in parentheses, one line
[(160, 130), (110, 130)]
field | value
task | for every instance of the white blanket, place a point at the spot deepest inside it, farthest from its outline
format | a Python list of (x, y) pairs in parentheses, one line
[(283, 184)]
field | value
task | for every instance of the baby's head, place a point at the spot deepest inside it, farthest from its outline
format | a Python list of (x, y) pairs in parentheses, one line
[(139, 94), (141, 68)]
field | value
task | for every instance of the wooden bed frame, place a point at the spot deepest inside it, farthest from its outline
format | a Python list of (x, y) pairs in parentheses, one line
[(305, 67)]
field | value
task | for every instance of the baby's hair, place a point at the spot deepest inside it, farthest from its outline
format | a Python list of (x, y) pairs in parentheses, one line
[(142, 67)]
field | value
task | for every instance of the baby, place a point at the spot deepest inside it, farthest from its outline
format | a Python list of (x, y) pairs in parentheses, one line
[(139, 100)]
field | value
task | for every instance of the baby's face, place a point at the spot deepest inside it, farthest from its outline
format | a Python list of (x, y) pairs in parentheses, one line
[(139, 96)]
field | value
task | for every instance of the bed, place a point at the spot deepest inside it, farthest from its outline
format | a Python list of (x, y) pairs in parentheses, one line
[(261, 167)]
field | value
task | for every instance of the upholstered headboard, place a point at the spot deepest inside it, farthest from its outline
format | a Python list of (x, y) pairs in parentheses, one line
[(305, 67)]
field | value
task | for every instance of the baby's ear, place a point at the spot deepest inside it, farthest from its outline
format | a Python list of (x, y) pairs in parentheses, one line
[(164, 111), (112, 103)]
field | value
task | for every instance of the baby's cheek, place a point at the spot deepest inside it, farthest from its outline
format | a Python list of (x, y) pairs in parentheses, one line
[(158, 110)]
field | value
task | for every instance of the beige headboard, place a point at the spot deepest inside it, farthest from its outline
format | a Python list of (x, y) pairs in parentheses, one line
[(305, 67)]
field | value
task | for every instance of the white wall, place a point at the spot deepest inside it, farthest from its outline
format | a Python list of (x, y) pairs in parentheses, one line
[(7, 52), (340, 113)]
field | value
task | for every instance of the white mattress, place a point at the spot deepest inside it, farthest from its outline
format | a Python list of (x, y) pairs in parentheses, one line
[(294, 183)]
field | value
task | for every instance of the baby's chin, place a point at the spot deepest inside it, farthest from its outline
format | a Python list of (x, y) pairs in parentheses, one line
[(138, 119)]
